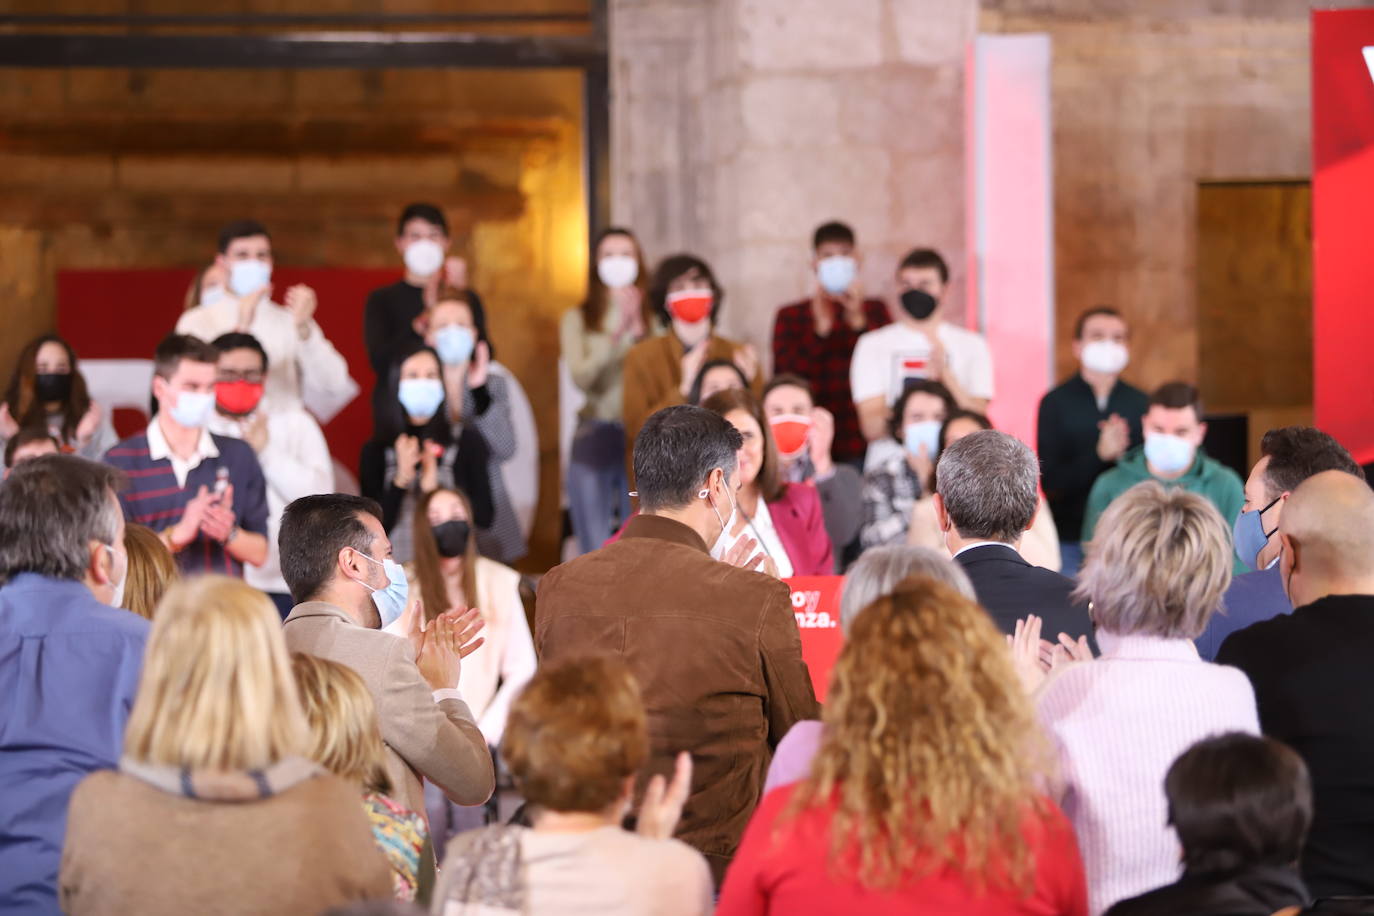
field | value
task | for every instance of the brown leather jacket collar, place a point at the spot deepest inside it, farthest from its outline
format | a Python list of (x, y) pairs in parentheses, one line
[(664, 529)]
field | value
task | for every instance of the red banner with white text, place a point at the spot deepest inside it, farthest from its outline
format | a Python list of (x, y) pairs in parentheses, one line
[(816, 602)]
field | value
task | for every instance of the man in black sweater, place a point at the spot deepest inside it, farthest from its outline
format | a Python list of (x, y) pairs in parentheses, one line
[(423, 242), (985, 500), (1313, 675), (1087, 423)]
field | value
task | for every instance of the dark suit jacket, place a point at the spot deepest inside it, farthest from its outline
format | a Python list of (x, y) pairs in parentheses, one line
[(1314, 687), (1252, 597), (716, 652), (1010, 588)]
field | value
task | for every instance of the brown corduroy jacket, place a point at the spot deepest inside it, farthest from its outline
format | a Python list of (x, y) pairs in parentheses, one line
[(716, 652), (439, 741)]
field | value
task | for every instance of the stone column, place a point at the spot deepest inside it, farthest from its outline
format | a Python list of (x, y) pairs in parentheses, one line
[(738, 126)]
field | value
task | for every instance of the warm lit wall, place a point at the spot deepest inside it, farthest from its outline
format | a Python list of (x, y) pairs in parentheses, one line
[(138, 169), (1149, 99)]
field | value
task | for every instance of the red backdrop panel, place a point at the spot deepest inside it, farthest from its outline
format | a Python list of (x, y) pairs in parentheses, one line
[(1342, 200), (816, 602), (122, 314)]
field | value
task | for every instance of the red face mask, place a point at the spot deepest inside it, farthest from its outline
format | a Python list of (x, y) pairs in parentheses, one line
[(789, 432), (690, 305), (238, 398)]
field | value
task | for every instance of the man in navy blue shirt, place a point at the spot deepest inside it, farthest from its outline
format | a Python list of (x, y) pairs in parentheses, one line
[(1288, 456), (69, 659)]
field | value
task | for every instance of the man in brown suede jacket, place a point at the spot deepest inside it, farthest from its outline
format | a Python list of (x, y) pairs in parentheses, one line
[(713, 643)]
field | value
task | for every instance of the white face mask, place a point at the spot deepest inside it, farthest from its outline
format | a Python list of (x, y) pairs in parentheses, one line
[(424, 257), (725, 541), (1105, 356), (617, 270), (249, 276), (117, 597)]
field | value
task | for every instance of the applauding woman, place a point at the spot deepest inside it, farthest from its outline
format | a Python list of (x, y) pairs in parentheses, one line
[(659, 371), (414, 450), (47, 392), (595, 338), (785, 518)]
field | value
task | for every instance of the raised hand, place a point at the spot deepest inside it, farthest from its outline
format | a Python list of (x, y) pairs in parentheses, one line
[(90, 422), (821, 438), (663, 801), (1025, 653), (691, 365), (218, 518), (480, 365), (747, 359), (1113, 438), (407, 460), (444, 643), (300, 302), (185, 530), (8, 426)]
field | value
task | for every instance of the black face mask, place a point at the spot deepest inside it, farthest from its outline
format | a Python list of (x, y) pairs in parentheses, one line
[(452, 538), (919, 305), (52, 386)]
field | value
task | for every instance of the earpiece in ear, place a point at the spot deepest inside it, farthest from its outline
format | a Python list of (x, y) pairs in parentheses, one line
[(704, 493)]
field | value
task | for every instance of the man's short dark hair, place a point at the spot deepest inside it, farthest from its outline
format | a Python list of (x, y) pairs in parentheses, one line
[(834, 231), (1296, 453), (1176, 396), (988, 481), (427, 212), (1237, 801), (240, 229), (176, 347), (27, 436), (313, 531), (237, 340), (51, 508), (920, 258), (1095, 312), (675, 451)]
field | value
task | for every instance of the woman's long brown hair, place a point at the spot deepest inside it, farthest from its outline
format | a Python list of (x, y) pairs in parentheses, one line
[(23, 402), (594, 306), (931, 755), (433, 591), (770, 479)]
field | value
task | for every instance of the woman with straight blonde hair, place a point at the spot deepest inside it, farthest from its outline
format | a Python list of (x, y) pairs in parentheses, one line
[(923, 796), (1155, 572), (213, 809), (346, 740)]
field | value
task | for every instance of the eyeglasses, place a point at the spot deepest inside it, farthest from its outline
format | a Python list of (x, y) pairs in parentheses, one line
[(253, 378)]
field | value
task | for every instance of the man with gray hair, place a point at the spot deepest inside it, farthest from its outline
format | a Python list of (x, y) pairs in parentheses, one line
[(69, 658), (986, 497), (713, 644)]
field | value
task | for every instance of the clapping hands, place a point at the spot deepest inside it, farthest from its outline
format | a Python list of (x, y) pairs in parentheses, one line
[(1034, 658)]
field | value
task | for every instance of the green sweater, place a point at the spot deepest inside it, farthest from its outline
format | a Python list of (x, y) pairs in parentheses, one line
[(1207, 477)]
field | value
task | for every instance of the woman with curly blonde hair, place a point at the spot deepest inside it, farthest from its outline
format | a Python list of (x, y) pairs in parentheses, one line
[(923, 797)]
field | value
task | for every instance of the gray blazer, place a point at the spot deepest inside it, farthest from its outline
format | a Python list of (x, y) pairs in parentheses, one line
[(438, 741)]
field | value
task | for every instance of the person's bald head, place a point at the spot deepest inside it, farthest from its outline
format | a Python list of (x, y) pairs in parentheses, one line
[(1329, 523)]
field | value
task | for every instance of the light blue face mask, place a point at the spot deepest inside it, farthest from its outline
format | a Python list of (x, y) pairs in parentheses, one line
[(1249, 536), (926, 433), (390, 601), (420, 397), (192, 408), (836, 273), (249, 276), (1169, 454), (455, 344)]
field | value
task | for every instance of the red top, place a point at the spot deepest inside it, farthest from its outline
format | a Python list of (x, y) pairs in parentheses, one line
[(790, 874)]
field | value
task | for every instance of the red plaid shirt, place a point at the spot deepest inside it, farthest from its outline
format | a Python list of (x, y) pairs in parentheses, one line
[(824, 362)]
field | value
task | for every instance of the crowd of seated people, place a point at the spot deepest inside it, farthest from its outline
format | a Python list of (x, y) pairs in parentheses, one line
[(1102, 676)]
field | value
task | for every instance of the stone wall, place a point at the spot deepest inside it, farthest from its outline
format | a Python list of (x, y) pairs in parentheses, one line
[(740, 125)]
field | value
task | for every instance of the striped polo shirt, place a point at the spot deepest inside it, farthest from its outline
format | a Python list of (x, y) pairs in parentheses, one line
[(154, 498)]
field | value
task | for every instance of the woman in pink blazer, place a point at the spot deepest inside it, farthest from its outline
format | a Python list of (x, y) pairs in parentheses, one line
[(785, 518)]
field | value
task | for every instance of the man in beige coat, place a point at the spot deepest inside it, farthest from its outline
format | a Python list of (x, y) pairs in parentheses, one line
[(335, 558), (714, 646)]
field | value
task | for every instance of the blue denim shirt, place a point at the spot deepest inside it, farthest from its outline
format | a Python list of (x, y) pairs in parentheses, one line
[(69, 667)]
